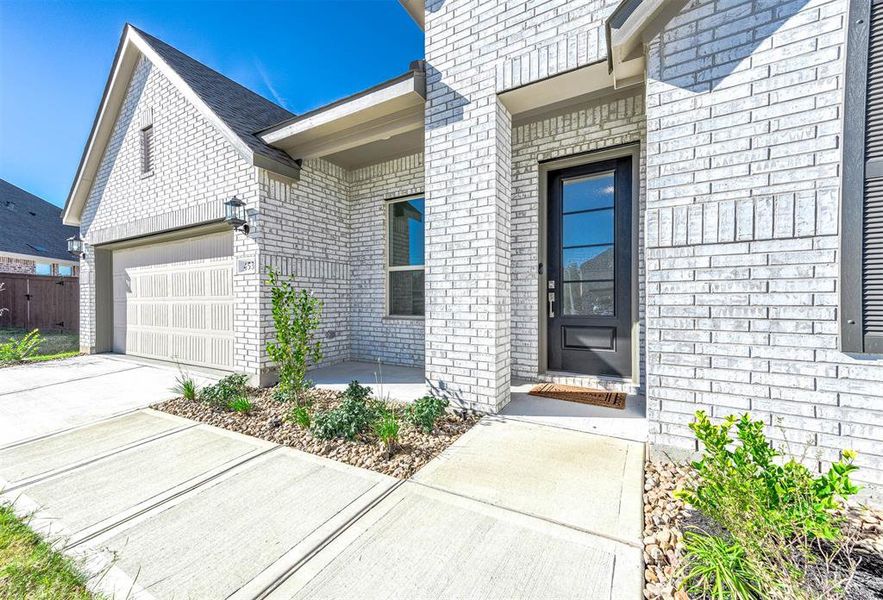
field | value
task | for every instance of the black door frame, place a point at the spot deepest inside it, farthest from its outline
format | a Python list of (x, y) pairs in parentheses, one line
[(630, 149)]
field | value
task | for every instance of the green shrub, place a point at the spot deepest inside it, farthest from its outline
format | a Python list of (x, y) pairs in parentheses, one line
[(222, 393), (425, 411), (353, 416), (296, 319), (241, 405), (386, 428), (300, 416), (17, 350), (778, 521)]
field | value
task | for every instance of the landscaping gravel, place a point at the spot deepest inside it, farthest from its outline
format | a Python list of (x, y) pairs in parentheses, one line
[(268, 420), (665, 518)]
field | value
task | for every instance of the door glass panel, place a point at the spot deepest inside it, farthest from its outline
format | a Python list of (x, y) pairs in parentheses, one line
[(585, 229), (588, 298), (592, 263), (588, 193)]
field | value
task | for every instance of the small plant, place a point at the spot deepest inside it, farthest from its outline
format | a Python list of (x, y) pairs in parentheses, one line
[(386, 428), (425, 411), (779, 529), (296, 319), (241, 405), (717, 569), (300, 416), (185, 386), (353, 416), (18, 350), (221, 394)]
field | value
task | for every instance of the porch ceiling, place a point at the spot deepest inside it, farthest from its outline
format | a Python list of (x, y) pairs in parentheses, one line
[(383, 122)]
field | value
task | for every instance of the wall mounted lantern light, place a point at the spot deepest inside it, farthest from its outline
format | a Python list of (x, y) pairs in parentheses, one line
[(75, 246), (235, 215)]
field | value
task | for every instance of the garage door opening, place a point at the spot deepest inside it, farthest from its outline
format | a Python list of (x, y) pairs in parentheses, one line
[(173, 300)]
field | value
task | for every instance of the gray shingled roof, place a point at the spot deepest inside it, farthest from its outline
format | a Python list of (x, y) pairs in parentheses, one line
[(242, 110), (30, 225)]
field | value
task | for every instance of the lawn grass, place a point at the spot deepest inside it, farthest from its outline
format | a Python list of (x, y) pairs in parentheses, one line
[(45, 357), (55, 342), (30, 568)]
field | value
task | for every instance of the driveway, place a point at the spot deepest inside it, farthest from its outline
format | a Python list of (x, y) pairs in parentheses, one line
[(164, 507), (41, 398)]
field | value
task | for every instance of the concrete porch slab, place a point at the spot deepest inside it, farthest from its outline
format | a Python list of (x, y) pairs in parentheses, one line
[(395, 382), (40, 458), (240, 532), (424, 543), (629, 423), (580, 480), (84, 501)]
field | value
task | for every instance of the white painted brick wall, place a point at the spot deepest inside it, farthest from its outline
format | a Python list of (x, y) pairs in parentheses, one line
[(9, 264), (475, 48), (195, 170), (376, 336), (744, 109)]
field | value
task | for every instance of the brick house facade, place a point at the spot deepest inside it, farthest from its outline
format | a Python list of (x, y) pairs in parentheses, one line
[(725, 116)]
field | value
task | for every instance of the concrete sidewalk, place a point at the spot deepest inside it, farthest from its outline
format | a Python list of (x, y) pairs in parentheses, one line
[(157, 506), (42, 398)]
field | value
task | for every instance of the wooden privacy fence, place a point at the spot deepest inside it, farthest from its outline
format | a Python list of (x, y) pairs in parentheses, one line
[(41, 302)]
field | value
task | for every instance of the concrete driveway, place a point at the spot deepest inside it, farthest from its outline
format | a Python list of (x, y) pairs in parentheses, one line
[(41, 398), (157, 506)]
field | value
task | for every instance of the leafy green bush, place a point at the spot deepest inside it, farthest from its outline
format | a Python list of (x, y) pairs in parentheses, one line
[(241, 405), (773, 513), (425, 411), (300, 415), (386, 428), (353, 416), (17, 350), (296, 319), (221, 394)]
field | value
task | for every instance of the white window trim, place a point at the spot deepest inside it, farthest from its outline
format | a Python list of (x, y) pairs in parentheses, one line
[(387, 268)]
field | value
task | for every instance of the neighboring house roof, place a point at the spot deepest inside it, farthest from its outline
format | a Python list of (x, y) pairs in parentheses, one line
[(236, 111), (31, 226)]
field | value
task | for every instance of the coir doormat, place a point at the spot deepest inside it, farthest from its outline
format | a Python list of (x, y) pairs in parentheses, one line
[(571, 393)]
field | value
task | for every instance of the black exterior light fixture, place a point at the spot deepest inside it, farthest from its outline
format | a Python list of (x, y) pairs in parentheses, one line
[(75, 246), (235, 215)]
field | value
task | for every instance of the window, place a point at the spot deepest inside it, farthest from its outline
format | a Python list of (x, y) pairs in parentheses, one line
[(861, 227), (65, 270), (147, 150), (43, 269), (405, 283)]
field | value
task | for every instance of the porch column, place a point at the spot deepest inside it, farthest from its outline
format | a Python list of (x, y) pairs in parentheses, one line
[(468, 150)]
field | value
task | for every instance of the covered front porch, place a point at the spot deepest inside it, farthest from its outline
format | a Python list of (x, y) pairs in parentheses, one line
[(405, 384)]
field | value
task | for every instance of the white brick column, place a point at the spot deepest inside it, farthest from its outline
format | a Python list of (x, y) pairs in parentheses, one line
[(468, 155)]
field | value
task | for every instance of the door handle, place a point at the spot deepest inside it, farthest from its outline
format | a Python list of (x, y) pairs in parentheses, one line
[(551, 297)]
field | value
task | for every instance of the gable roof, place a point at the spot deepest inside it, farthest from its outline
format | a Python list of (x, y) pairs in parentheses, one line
[(236, 111), (31, 226)]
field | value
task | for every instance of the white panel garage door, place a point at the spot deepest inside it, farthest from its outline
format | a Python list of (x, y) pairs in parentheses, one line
[(174, 301)]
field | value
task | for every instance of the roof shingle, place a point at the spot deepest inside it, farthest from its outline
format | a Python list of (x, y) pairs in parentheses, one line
[(30, 225)]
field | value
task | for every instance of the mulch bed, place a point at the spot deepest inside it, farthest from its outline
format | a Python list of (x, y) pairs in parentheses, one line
[(268, 420), (666, 517)]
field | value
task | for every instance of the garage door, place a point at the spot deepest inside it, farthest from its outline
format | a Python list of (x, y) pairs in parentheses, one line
[(174, 301)]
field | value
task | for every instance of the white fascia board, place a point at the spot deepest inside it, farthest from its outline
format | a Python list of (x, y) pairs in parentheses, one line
[(416, 9), (385, 101), (626, 39)]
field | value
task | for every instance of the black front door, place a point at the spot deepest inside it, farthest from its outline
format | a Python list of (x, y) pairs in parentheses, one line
[(589, 278)]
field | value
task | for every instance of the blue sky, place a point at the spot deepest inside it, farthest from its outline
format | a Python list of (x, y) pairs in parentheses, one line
[(55, 57)]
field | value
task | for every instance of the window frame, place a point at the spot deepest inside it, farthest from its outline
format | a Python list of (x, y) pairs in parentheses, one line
[(146, 137), (852, 197), (387, 256)]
